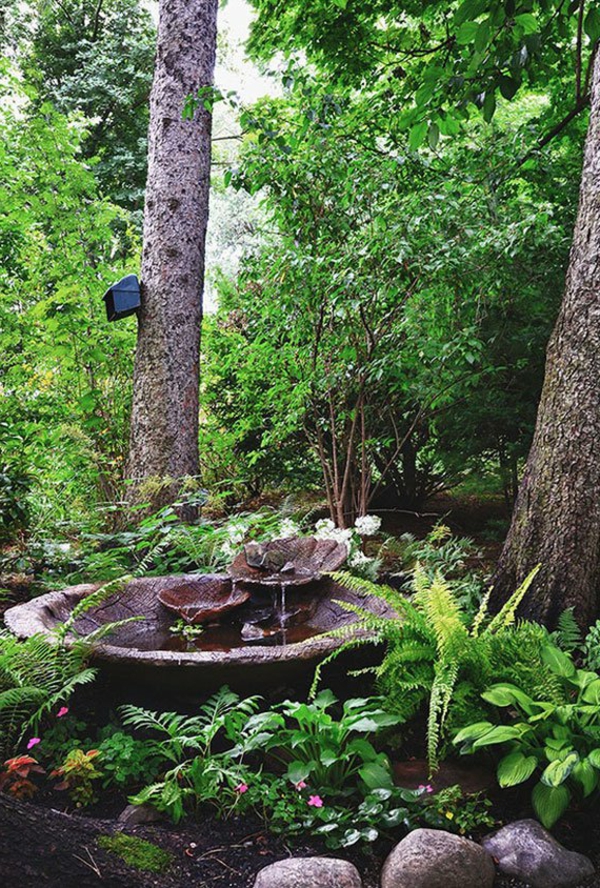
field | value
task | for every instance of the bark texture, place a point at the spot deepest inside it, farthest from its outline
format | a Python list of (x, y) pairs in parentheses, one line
[(164, 422), (556, 519)]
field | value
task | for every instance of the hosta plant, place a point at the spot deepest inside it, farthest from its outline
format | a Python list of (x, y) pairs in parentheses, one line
[(313, 745), (558, 742)]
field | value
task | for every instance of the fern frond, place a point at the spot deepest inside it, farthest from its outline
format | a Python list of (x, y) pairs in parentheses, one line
[(506, 616)]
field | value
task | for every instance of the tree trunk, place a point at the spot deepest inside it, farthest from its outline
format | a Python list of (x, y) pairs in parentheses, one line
[(556, 519), (164, 421)]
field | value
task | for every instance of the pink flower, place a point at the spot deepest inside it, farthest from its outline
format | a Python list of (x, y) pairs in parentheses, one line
[(316, 801), (241, 788), (300, 785), (62, 711), (426, 787), (33, 742)]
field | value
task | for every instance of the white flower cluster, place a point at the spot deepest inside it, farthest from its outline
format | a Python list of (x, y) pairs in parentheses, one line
[(367, 525), (235, 533), (288, 528), (325, 529), (358, 559)]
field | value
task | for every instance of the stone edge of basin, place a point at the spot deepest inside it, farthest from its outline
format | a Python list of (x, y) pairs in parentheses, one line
[(25, 620)]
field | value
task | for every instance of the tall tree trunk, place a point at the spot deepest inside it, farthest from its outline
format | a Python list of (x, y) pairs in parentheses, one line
[(556, 519), (164, 422)]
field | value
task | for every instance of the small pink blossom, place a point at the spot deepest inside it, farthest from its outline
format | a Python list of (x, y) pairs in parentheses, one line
[(241, 788), (300, 785), (62, 711), (426, 787), (316, 801), (33, 742)]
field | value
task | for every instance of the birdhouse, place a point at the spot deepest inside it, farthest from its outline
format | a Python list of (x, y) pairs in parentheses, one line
[(123, 298)]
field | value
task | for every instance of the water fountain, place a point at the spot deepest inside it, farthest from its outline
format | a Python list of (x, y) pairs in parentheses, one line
[(261, 623)]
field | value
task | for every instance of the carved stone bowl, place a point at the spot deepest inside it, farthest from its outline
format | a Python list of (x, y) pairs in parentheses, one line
[(291, 562), (137, 652)]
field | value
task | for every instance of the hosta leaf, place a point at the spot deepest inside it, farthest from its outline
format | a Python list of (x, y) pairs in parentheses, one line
[(558, 661), (550, 803), (473, 732), (559, 769), (515, 768), (585, 776), (501, 734)]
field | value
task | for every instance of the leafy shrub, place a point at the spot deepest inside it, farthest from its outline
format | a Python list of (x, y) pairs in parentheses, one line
[(558, 741), (198, 772), (36, 676), (334, 756), (127, 761), (16, 778), (435, 653), (78, 773)]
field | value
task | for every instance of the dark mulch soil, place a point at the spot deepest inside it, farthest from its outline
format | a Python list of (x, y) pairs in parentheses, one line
[(210, 853)]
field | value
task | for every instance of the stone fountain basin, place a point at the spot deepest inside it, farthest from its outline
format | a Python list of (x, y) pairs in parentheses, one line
[(132, 652)]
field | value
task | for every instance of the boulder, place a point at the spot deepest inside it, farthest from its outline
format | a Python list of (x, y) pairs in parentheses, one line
[(432, 858), (526, 850), (309, 872)]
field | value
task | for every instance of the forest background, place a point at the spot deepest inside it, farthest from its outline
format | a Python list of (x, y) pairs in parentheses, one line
[(382, 294)]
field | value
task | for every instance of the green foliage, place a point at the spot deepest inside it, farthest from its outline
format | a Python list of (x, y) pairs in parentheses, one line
[(567, 634), (187, 743), (77, 775), (138, 853), (591, 648), (435, 652), (333, 754), (67, 374), (36, 676), (98, 59), (127, 761), (558, 741)]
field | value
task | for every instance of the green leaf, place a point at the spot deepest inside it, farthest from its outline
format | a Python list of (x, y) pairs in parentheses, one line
[(591, 24), (508, 695), (473, 732), (298, 771), (528, 22), (550, 803), (515, 768), (482, 36), (592, 693), (508, 86), (466, 33), (470, 9), (585, 776), (489, 106), (594, 758), (417, 135), (558, 661), (376, 775), (501, 734), (559, 769), (433, 136)]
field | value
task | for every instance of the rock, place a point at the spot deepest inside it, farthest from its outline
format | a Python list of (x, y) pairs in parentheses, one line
[(309, 872), (135, 815), (526, 850), (432, 858)]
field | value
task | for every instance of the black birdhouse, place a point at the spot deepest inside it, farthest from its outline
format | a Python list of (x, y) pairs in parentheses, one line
[(123, 298)]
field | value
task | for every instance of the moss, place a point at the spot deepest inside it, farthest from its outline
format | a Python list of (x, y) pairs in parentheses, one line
[(138, 853)]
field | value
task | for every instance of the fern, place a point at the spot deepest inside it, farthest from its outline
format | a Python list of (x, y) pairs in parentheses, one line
[(567, 634), (36, 675), (433, 654)]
